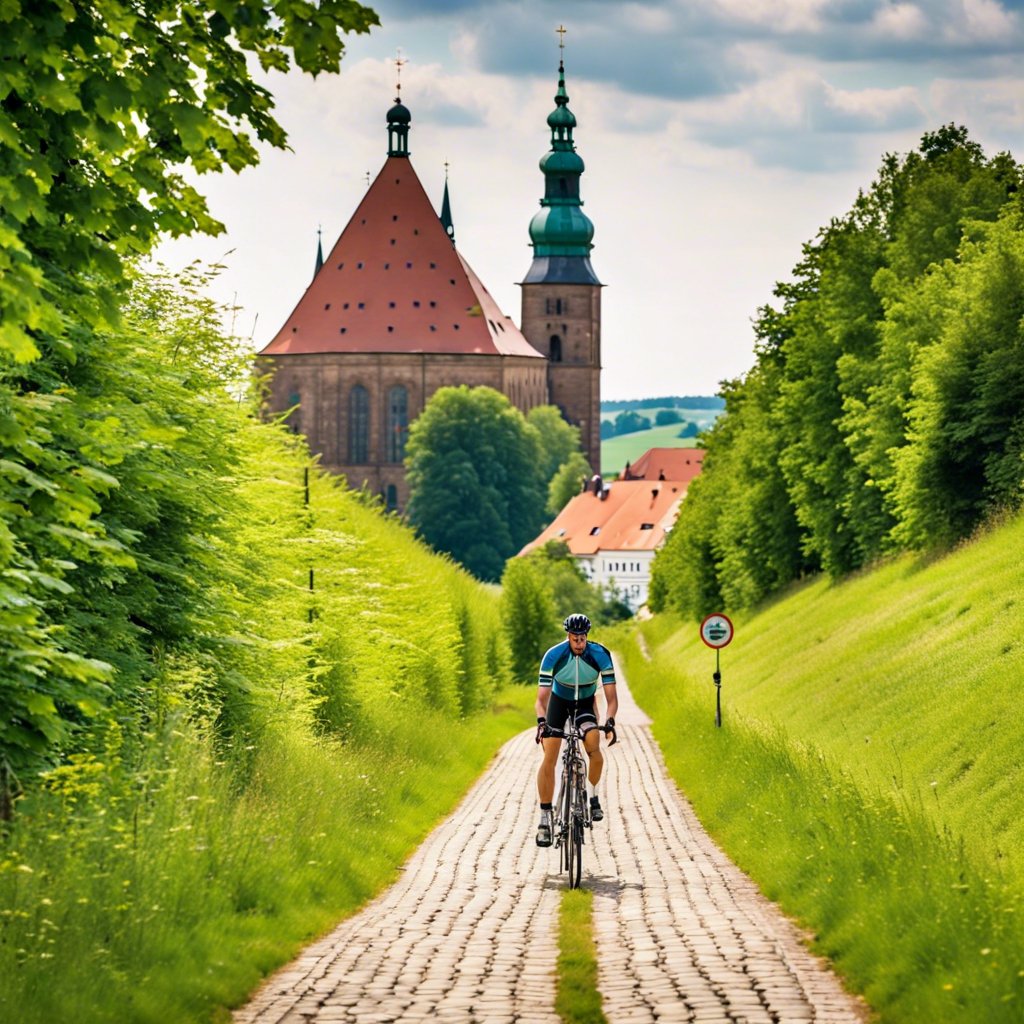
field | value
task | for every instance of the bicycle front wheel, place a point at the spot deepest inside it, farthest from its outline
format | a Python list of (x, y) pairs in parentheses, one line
[(575, 845)]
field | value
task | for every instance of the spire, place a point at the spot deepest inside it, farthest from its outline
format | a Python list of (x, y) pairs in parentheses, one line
[(560, 231), (319, 253), (446, 208), (399, 117)]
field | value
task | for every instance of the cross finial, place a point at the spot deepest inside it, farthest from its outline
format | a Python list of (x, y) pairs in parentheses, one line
[(400, 62), (561, 30), (446, 166)]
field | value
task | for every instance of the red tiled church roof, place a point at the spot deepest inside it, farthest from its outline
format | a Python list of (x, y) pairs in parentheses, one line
[(395, 283)]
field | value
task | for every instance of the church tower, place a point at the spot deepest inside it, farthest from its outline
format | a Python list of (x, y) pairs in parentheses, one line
[(561, 310)]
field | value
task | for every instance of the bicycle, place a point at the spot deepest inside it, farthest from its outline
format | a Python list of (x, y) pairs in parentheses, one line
[(572, 808)]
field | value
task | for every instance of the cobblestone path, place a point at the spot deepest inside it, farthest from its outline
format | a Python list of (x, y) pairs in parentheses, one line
[(469, 932)]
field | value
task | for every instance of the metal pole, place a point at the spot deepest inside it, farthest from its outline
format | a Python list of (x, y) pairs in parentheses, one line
[(718, 689)]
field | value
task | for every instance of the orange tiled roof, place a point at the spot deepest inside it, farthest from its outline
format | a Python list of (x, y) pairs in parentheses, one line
[(676, 463), (393, 282), (633, 517)]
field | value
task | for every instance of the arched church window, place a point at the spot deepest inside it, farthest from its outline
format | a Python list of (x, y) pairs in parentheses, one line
[(295, 419), (398, 423), (555, 349), (358, 425)]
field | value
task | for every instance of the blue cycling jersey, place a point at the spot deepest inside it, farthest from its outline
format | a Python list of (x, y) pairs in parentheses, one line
[(576, 678)]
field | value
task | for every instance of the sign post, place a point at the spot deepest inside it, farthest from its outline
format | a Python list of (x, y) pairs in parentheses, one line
[(716, 631)]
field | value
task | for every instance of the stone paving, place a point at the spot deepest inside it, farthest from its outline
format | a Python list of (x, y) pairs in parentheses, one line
[(469, 932)]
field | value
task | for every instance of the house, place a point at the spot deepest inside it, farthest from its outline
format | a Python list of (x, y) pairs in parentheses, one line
[(613, 529)]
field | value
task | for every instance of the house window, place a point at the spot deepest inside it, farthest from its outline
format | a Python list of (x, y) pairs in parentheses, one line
[(555, 349), (398, 423), (391, 498), (358, 426)]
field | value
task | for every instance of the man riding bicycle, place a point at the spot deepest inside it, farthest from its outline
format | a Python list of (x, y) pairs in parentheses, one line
[(569, 673)]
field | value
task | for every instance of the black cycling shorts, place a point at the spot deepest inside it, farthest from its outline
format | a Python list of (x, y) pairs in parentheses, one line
[(559, 710)]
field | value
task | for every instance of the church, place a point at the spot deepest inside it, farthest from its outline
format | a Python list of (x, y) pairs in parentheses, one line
[(394, 312)]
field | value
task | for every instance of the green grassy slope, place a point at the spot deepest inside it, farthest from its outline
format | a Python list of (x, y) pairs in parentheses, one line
[(910, 676), (868, 771)]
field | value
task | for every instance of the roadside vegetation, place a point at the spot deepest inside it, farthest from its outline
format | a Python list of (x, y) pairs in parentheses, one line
[(577, 1000), (537, 592), (885, 409), (290, 698), (868, 774)]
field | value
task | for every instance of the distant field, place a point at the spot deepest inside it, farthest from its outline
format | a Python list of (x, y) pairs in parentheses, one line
[(617, 451), (702, 417)]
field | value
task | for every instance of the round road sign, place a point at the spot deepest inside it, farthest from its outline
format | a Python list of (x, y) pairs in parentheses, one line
[(716, 630)]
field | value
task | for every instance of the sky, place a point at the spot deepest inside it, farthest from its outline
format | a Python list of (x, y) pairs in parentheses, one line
[(718, 136)]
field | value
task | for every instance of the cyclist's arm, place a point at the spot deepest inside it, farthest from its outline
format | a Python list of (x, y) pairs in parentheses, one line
[(543, 698), (611, 699)]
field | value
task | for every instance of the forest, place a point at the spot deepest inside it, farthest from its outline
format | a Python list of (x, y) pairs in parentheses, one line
[(885, 409)]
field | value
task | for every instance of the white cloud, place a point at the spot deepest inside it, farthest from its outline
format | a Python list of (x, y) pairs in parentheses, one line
[(987, 20), (792, 119), (900, 21), (791, 16)]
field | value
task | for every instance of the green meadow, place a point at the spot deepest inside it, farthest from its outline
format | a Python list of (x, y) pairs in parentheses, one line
[(617, 451), (868, 771)]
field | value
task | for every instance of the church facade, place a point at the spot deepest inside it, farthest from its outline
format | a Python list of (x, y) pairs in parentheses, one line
[(395, 312)]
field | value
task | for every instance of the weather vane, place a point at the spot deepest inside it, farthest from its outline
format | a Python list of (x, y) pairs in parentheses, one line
[(400, 61)]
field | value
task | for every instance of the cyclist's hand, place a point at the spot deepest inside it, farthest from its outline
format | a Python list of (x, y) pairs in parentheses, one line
[(542, 724), (609, 729)]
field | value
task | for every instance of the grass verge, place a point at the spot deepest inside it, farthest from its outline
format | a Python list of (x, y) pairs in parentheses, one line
[(577, 1001), (168, 897), (924, 928)]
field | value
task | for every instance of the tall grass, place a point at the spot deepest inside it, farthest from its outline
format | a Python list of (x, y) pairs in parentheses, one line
[(265, 779), (166, 894), (863, 774)]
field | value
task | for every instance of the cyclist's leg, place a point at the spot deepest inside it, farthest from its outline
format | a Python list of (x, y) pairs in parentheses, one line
[(546, 772), (592, 745)]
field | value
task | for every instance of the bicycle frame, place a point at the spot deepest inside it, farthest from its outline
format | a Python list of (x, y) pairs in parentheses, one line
[(572, 809)]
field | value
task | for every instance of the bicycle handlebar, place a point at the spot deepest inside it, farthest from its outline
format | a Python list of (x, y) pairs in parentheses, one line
[(562, 734)]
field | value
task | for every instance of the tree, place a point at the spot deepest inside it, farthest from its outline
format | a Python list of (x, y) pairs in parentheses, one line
[(558, 439), (529, 616), (565, 484), (474, 472), (102, 103), (110, 439), (666, 417), (629, 422)]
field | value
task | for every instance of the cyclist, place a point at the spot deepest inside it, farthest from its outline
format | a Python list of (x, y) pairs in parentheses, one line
[(569, 674)]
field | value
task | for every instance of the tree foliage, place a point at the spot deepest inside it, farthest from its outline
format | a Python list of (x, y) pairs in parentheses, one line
[(567, 482), (884, 409), (101, 107), (559, 440), (113, 447), (538, 590), (476, 488)]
